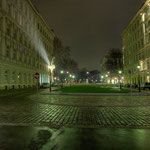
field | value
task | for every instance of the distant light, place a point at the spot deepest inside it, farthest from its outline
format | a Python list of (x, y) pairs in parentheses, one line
[(120, 72), (138, 67), (87, 73), (67, 72), (61, 71)]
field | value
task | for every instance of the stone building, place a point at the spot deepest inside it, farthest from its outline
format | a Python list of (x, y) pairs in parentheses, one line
[(136, 47), (26, 45)]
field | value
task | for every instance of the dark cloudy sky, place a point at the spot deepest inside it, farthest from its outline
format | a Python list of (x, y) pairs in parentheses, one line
[(89, 27)]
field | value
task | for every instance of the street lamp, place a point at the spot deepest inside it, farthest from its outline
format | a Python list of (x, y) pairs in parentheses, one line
[(139, 67), (70, 78), (106, 78), (51, 67), (62, 72), (102, 77), (120, 72)]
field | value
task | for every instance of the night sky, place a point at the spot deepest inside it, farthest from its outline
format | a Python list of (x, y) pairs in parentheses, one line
[(89, 27)]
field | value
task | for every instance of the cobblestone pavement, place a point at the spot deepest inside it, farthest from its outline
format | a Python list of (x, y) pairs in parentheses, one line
[(32, 113)]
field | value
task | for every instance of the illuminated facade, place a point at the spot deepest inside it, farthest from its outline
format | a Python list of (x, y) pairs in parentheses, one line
[(24, 36), (136, 47)]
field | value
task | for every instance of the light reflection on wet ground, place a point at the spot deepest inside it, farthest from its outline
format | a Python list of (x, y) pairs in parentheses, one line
[(31, 113), (93, 100), (45, 138)]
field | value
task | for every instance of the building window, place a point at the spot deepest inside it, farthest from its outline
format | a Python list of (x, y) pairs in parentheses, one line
[(148, 65), (6, 76), (9, 9), (20, 58), (7, 51), (25, 59), (29, 78), (30, 60), (0, 3), (15, 34), (19, 77), (16, 15), (8, 29), (25, 77), (0, 24), (13, 76), (14, 54), (21, 5), (0, 47)]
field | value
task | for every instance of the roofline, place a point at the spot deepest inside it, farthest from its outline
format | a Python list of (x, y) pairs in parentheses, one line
[(39, 15), (137, 14)]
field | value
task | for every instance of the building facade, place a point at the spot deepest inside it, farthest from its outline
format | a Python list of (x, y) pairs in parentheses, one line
[(136, 47), (26, 45)]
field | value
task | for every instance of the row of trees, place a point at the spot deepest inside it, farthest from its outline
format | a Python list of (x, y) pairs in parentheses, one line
[(63, 60), (112, 62)]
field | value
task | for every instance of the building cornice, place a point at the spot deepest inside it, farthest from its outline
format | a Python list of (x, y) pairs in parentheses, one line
[(135, 17), (40, 16)]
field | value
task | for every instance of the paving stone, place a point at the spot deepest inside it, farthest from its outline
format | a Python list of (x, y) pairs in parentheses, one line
[(34, 113)]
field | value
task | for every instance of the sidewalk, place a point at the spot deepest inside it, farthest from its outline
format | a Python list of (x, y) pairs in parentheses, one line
[(137, 90)]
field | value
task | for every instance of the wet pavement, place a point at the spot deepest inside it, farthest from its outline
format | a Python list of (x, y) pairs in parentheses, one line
[(45, 138), (76, 112), (74, 123)]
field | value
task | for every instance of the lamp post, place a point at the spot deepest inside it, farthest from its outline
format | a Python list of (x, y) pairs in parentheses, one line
[(120, 72), (51, 67), (139, 82), (62, 72), (67, 77), (70, 78), (102, 77), (73, 78), (106, 78), (87, 77)]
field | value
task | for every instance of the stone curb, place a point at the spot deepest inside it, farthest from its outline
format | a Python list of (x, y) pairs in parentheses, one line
[(96, 94)]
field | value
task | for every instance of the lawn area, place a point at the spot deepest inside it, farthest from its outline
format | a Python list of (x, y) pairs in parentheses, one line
[(91, 89)]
